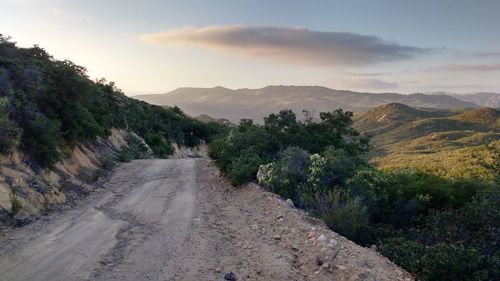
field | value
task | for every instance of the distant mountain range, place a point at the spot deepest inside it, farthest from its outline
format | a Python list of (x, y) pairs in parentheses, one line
[(483, 99), (220, 102)]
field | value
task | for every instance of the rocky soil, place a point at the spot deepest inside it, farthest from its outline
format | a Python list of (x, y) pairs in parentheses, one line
[(41, 190), (180, 220)]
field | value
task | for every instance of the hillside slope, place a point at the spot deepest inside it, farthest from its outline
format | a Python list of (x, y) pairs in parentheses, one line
[(58, 128), (220, 102), (40, 191), (449, 143)]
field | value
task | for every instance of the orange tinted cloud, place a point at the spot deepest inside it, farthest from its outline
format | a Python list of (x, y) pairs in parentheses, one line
[(289, 45)]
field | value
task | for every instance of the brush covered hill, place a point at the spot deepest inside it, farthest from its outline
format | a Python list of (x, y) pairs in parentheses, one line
[(449, 143), (47, 104), (50, 111), (208, 120), (220, 102)]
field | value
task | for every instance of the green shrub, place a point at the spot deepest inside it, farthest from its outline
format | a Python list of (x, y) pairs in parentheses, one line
[(216, 150), (341, 212), (15, 203), (106, 162), (288, 175), (437, 262), (42, 137), (159, 145), (126, 154), (10, 134), (282, 131), (136, 147), (244, 168)]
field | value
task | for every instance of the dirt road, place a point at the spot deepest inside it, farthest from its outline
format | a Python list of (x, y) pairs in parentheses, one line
[(179, 220)]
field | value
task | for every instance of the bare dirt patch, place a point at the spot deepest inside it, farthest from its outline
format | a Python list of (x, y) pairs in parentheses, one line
[(180, 220)]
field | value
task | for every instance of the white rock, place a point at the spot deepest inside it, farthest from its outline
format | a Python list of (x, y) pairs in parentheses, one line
[(322, 237), (333, 243), (341, 267), (289, 202)]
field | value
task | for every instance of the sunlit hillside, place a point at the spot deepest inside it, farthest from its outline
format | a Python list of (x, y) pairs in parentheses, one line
[(448, 143)]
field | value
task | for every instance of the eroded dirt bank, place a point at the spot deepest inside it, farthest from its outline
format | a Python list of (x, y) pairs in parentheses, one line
[(179, 220)]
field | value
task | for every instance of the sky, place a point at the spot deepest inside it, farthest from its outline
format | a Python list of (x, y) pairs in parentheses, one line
[(375, 46)]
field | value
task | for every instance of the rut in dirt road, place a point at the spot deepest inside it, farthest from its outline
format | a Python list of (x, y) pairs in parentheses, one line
[(179, 220), (135, 230)]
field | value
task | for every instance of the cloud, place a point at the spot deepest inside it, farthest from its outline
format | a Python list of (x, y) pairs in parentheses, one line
[(57, 11), (290, 45), (465, 67), (369, 73), (488, 54), (371, 84)]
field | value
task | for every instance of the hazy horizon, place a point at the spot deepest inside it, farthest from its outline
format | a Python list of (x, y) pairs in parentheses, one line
[(139, 93), (158, 46)]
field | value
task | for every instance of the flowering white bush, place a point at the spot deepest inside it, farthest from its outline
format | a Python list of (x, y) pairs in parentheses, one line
[(266, 174), (315, 169), (287, 175)]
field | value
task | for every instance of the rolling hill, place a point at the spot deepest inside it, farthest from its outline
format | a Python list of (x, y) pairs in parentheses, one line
[(220, 102), (450, 143)]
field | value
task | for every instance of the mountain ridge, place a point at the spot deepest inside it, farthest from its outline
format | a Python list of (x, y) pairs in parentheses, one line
[(220, 102)]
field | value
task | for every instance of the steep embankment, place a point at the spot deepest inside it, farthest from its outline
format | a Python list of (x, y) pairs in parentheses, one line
[(40, 190), (180, 220)]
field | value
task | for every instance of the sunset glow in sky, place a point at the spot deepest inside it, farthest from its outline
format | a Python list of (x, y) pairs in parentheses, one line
[(376, 46)]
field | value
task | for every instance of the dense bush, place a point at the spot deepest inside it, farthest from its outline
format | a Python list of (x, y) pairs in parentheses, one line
[(46, 104), (158, 144), (340, 211), (126, 154), (437, 228), (243, 167), (249, 145), (437, 262), (10, 134), (287, 175), (42, 138), (135, 148)]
